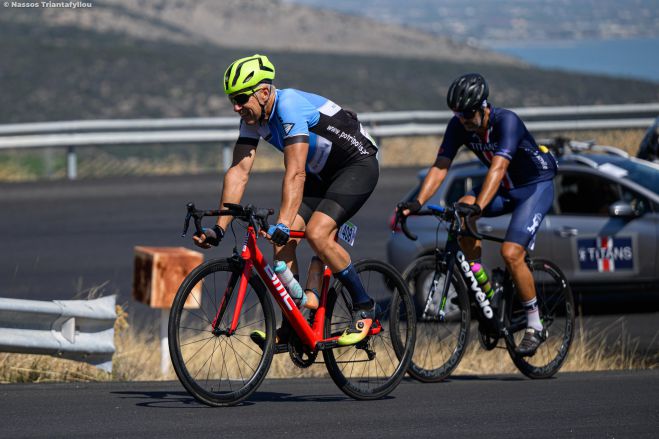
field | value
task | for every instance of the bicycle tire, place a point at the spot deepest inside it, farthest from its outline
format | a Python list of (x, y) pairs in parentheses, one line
[(556, 306), (350, 367), (244, 364), (440, 345)]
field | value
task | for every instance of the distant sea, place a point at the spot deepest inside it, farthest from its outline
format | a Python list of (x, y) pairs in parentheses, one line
[(636, 58)]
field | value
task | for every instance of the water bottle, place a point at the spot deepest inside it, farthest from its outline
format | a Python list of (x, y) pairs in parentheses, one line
[(290, 283), (486, 292), (481, 277)]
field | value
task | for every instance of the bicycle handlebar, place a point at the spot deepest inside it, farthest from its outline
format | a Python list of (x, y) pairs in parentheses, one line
[(444, 213), (253, 215)]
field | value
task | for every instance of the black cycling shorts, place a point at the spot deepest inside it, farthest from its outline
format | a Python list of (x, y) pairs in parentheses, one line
[(341, 194)]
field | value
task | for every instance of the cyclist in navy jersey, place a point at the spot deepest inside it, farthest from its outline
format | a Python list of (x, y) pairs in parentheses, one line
[(331, 169), (519, 181)]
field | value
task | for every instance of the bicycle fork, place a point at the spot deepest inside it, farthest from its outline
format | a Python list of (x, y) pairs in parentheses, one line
[(243, 275), (450, 263)]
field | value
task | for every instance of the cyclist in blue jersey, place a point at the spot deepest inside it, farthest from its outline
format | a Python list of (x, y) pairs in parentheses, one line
[(519, 180), (331, 169)]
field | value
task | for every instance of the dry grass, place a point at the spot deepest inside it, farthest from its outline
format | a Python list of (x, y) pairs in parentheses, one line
[(596, 349), (138, 358)]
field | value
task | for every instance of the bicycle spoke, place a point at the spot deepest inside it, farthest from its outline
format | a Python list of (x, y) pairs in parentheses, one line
[(211, 365), (197, 341), (205, 320)]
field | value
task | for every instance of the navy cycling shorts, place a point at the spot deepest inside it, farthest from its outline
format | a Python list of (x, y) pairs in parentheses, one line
[(529, 204)]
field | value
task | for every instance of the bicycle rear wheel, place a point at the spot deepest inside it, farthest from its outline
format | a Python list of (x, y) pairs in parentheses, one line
[(556, 306), (374, 367), (440, 345), (220, 368)]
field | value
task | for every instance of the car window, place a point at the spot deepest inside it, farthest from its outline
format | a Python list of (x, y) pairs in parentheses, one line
[(586, 194), (461, 186), (639, 203)]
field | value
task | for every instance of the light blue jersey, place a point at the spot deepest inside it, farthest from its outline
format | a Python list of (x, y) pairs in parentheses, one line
[(335, 136)]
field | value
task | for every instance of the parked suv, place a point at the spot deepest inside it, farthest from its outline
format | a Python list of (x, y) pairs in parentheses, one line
[(602, 230)]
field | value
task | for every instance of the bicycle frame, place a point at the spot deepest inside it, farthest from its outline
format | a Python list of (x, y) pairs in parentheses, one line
[(453, 255), (253, 259)]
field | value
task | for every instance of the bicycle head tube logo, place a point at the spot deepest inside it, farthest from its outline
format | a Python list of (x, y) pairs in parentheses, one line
[(481, 298), (288, 300)]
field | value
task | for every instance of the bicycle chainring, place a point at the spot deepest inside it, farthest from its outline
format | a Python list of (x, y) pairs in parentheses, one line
[(301, 355), (487, 341)]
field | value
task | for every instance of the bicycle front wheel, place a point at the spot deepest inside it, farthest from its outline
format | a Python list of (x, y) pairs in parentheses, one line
[(374, 367), (440, 343), (556, 307), (217, 366)]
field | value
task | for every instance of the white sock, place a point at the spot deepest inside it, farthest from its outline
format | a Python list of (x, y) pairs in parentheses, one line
[(532, 314)]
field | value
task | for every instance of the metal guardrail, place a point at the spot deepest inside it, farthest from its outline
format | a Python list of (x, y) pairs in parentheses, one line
[(72, 134), (81, 330)]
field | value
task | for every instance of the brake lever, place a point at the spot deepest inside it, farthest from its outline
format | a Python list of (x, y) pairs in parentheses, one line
[(186, 223), (192, 213)]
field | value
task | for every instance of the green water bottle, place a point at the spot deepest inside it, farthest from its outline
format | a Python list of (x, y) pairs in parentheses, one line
[(481, 277)]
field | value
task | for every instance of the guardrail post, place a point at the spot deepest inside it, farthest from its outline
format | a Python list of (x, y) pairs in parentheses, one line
[(164, 341), (71, 163), (227, 157)]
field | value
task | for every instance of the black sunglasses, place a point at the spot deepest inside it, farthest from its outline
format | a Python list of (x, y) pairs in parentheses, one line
[(466, 114), (242, 98)]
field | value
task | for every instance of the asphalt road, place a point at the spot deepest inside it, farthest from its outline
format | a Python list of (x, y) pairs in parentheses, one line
[(598, 405), (60, 239)]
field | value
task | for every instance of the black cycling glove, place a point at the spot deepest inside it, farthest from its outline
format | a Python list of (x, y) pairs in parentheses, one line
[(413, 206), (213, 235), (468, 210), (279, 234)]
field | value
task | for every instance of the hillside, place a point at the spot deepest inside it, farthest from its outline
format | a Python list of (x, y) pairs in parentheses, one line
[(267, 24), (511, 20), (135, 62)]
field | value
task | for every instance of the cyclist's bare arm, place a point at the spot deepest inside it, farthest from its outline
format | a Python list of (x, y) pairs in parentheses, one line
[(493, 179), (434, 178), (236, 178), (295, 158)]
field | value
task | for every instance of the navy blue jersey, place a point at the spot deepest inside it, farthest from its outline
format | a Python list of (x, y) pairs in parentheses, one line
[(335, 136), (508, 137)]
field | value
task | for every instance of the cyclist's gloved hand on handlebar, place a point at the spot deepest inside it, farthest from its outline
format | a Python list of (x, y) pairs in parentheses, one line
[(279, 234), (213, 237), (468, 210), (411, 207)]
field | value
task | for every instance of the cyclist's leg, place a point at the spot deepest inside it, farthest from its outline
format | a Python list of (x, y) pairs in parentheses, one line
[(532, 203), (349, 189)]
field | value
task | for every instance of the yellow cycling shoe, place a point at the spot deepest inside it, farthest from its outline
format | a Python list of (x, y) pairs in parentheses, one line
[(362, 319)]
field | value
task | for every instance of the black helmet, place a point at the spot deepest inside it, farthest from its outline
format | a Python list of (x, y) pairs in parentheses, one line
[(467, 92)]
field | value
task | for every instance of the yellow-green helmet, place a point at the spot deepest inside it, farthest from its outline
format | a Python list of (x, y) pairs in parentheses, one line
[(246, 73)]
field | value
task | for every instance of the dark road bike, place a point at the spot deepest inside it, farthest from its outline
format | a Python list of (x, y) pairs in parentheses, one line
[(447, 295), (222, 302)]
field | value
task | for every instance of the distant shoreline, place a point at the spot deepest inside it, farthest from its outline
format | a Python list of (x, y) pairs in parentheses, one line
[(629, 57)]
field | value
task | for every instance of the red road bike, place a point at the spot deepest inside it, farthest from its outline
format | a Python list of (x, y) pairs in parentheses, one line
[(223, 301)]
